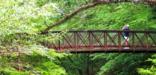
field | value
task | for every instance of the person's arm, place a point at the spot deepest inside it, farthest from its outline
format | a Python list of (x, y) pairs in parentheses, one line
[(123, 27)]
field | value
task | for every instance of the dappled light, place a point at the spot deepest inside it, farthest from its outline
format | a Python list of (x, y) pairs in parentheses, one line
[(72, 37)]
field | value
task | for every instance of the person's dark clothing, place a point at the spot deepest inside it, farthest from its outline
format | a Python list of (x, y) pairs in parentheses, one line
[(126, 31)]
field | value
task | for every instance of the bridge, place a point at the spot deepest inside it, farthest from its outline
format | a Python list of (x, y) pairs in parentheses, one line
[(103, 41)]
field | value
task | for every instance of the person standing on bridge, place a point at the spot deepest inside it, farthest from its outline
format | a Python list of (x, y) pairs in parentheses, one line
[(126, 29)]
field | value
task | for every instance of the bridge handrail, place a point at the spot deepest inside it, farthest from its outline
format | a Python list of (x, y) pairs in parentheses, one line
[(131, 31)]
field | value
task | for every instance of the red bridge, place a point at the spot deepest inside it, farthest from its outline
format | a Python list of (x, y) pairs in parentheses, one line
[(103, 41)]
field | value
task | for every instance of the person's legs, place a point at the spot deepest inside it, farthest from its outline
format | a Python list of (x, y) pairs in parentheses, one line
[(125, 35), (126, 40)]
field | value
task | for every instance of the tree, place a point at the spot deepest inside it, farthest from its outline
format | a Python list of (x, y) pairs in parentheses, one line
[(90, 5)]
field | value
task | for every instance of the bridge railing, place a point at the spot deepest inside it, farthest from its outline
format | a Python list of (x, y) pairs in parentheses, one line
[(104, 40)]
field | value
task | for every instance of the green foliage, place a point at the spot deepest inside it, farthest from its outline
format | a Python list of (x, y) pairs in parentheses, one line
[(21, 20), (25, 16), (146, 72), (126, 62), (149, 69), (112, 17), (38, 62)]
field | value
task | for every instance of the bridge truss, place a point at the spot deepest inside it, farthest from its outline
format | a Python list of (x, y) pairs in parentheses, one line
[(103, 41)]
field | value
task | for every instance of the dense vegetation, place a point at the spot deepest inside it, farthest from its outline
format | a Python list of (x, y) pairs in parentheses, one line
[(22, 20)]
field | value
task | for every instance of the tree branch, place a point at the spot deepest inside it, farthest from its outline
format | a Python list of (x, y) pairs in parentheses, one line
[(68, 16), (90, 5)]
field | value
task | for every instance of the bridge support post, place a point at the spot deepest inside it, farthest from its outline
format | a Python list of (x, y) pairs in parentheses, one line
[(90, 40), (133, 41), (105, 40), (75, 40), (119, 40), (59, 43), (146, 36)]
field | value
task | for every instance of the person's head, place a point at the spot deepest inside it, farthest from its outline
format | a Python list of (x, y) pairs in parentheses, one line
[(127, 25)]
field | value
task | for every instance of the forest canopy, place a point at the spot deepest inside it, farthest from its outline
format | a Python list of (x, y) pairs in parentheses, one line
[(23, 21)]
